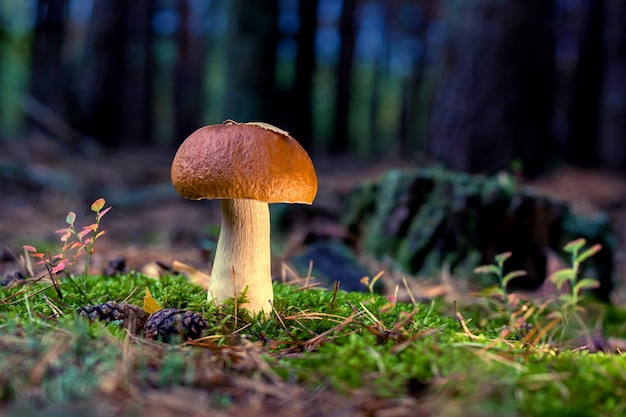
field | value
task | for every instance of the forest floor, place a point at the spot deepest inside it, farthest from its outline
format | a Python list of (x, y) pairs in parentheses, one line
[(149, 222)]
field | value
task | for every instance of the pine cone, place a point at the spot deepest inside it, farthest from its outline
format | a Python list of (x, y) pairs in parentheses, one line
[(173, 324), (131, 315)]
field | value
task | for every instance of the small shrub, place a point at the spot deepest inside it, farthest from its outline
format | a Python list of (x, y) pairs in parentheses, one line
[(75, 243), (569, 302)]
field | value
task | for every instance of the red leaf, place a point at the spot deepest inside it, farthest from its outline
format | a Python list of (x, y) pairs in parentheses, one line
[(59, 267), (76, 245), (103, 212), (66, 234)]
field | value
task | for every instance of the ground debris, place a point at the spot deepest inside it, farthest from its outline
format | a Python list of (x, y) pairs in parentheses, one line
[(250, 397)]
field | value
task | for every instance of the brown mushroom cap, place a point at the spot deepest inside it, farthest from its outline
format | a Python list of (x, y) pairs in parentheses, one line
[(244, 161)]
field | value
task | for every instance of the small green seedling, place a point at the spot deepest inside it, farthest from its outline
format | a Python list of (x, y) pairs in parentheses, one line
[(570, 275), (498, 271), (74, 244)]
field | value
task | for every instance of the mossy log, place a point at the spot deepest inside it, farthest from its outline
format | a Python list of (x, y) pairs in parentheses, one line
[(426, 218)]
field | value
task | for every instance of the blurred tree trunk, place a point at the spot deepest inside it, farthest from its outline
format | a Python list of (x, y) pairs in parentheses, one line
[(585, 108), (612, 148), (381, 69), (114, 105), (138, 88), (413, 113), (494, 101), (47, 79), (188, 73), (305, 69), (341, 140), (570, 17), (252, 61), (410, 132), (102, 105)]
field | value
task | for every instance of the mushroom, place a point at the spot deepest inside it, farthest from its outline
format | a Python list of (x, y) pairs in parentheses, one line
[(247, 165)]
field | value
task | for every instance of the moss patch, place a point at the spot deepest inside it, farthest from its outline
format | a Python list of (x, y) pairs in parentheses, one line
[(324, 353)]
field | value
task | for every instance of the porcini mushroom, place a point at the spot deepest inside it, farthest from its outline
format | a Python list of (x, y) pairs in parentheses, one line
[(247, 166)]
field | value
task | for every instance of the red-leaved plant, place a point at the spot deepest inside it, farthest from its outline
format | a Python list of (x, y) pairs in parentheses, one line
[(74, 244)]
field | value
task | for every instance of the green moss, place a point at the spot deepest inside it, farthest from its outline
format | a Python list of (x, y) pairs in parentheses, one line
[(323, 341)]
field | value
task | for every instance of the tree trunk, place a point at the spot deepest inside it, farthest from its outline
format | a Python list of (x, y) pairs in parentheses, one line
[(612, 148), (252, 61), (585, 110), (305, 69), (189, 73), (137, 87), (414, 110), (102, 98), (341, 140), (380, 68), (47, 80), (571, 17), (114, 101), (494, 101)]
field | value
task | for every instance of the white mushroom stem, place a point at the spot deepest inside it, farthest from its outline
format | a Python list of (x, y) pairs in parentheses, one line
[(243, 258)]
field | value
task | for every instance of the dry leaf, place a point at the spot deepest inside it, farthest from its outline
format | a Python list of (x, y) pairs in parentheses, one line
[(150, 305)]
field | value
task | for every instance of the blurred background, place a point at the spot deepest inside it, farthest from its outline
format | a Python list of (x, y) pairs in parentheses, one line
[(479, 86)]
